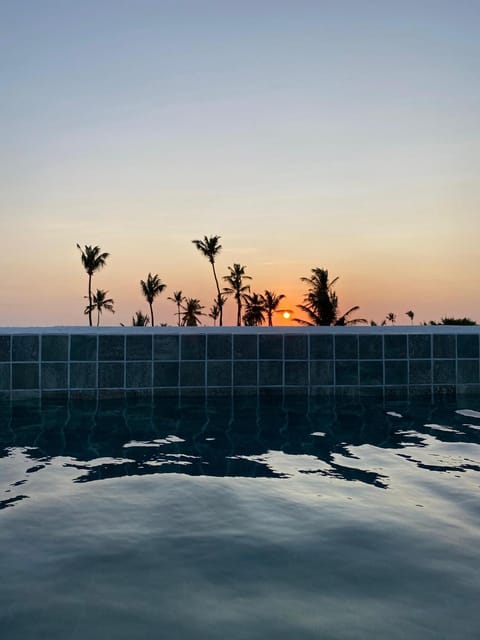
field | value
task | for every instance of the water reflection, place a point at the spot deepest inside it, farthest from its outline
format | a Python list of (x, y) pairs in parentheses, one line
[(232, 438)]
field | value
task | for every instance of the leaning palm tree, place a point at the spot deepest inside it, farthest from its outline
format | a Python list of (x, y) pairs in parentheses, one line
[(151, 288), (411, 315), (270, 303), (140, 319), (254, 310), (237, 289), (210, 248), (320, 303), (192, 310), (100, 302), (93, 260), (177, 298)]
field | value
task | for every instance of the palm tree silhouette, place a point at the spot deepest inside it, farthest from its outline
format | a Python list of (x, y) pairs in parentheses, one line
[(192, 310), (100, 302), (177, 298), (270, 303), (93, 260), (320, 303), (391, 317), (237, 289), (211, 248), (151, 288), (411, 315), (254, 310), (140, 319)]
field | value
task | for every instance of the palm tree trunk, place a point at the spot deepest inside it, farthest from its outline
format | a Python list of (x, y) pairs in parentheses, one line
[(178, 311), (90, 299), (151, 313), (98, 316), (239, 312), (220, 319)]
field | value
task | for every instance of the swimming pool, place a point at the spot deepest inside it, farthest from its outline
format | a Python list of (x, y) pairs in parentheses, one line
[(236, 520)]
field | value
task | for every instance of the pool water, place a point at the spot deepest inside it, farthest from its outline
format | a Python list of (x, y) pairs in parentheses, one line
[(241, 521)]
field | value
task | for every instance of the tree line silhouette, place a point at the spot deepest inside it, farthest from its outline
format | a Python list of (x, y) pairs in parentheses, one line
[(320, 304)]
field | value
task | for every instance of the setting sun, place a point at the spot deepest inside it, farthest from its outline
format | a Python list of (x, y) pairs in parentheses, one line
[(286, 315)]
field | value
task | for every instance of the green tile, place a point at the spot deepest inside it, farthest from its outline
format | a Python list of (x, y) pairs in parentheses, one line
[(296, 373), (396, 372), (370, 347), (420, 346), (111, 348), (346, 347), (219, 347), (165, 374), (25, 349), (4, 376), (5, 347), (139, 348), (111, 375), (245, 373), (83, 348), (395, 347), (245, 347), (420, 372), (193, 347), (371, 372), (219, 373), (138, 375), (346, 372), (54, 375), (192, 374), (166, 347), (321, 372), (321, 347), (270, 347), (269, 373), (444, 346), (83, 375), (25, 376), (467, 346), (444, 372), (295, 347), (467, 371), (54, 348)]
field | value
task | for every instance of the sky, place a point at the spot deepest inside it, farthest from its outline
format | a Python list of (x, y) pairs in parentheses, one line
[(341, 134)]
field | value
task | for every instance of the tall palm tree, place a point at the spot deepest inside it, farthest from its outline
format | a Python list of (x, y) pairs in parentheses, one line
[(270, 303), (411, 315), (210, 248), (320, 303), (237, 289), (177, 298), (140, 319), (192, 310), (254, 310), (100, 302), (93, 260), (151, 288)]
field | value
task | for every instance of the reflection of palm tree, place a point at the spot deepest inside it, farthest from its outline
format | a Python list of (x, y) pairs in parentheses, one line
[(140, 320), (100, 302), (391, 317), (411, 315), (151, 288), (254, 310), (210, 248), (321, 302), (237, 289), (177, 298), (92, 261), (192, 310), (270, 303)]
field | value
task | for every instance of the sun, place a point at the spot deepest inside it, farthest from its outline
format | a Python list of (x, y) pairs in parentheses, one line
[(286, 315)]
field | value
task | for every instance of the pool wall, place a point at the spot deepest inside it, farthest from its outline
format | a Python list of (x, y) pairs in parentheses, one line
[(393, 362)]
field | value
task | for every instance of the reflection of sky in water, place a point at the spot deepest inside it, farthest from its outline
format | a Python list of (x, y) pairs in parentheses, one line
[(345, 521)]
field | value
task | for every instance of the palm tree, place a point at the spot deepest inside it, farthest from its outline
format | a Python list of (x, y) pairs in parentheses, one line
[(151, 288), (192, 310), (254, 310), (237, 289), (391, 317), (411, 315), (100, 302), (270, 303), (177, 298), (140, 319), (210, 248), (93, 260), (321, 302)]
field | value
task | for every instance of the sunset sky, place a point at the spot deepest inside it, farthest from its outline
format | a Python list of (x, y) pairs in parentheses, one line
[(340, 134)]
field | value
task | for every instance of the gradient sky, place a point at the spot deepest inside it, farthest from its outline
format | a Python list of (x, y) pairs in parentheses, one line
[(339, 134)]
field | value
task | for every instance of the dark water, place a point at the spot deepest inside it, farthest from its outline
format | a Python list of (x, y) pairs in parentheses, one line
[(240, 522)]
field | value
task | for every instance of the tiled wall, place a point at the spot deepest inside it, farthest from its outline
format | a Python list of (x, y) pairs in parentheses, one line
[(381, 361)]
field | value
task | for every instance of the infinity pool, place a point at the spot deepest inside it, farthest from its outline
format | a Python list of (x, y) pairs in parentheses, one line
[(241, 521)]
